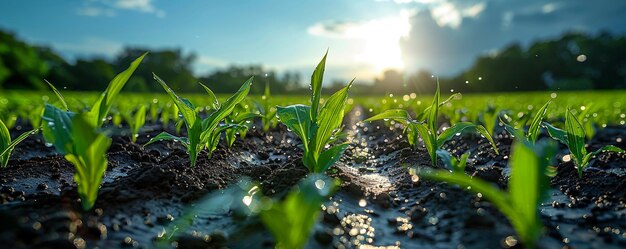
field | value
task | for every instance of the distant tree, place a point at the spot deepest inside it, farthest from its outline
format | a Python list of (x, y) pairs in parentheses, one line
[(20, 64), (93, 74), (60, 71), (422, 82), (392, 81), (170, 64)]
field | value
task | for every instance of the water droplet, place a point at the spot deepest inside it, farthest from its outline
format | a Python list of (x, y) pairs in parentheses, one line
[(247, 200), (510, 241), (433, 220), (567, 158), (415, 178), (362, 203), (319, 184)]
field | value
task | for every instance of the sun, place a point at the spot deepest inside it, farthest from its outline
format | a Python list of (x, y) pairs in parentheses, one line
[(381, 42)]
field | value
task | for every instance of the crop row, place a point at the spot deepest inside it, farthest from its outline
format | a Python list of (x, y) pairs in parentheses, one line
[(74, 127)]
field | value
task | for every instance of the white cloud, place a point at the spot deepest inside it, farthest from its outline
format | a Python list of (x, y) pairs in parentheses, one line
[(449, 14), (94, 11), (139, 5), (474, 10), (550, 7), (110, 8), (485, 26), (89, 46)]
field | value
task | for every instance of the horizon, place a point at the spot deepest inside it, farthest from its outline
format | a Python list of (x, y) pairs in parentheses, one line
[(364, 38)]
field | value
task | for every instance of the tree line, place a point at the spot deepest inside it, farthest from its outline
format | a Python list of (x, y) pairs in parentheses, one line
[(574, 61), (24, 66)]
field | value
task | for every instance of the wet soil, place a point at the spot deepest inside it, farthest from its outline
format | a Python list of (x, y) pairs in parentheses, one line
[(379, 202)]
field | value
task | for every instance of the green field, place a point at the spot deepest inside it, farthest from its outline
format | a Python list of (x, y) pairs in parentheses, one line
[(600, 107)]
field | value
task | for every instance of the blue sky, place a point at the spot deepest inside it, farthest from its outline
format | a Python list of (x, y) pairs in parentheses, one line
[(364, 36)]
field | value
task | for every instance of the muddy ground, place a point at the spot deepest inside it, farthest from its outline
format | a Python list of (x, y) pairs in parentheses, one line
[(379, 202)]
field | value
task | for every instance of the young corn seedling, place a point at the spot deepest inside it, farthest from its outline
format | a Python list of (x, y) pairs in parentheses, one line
[(534, 128), (10, 120), (135, 122), (7, 145), (267, 111), (101, 107), (88, 154), (574, 138), (454, 164), (298, 211), (116, 118), (586, 120), (527, 188), (202, 133), (427, 130), (490, 118), (74, 135), (318, 127), (240, 120)]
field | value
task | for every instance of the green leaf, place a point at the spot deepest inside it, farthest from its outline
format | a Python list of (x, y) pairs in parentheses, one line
[(556, 133), (231, 133), (524, 192), (57, 128), (7, 149), (5, 141), (452, 131), (412, 134), (533, 130), (459, 127), (490, 118), (184, 106), (528, 186), (101, 107), (575, 138), (430, 141), (603, 149), (447, 159), (59, 95), (496, 196), (164, 136), (330, 157), (296, 118), (460, 167), (242, 117), (512, 130), (486, 134), (298, 212), (215, 104), (427, 110), (433, 113), (330, 118), (398, 115), (214, 138), (316, 86), (227, 107), (138, 121), (266, 92), (88, 155)]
